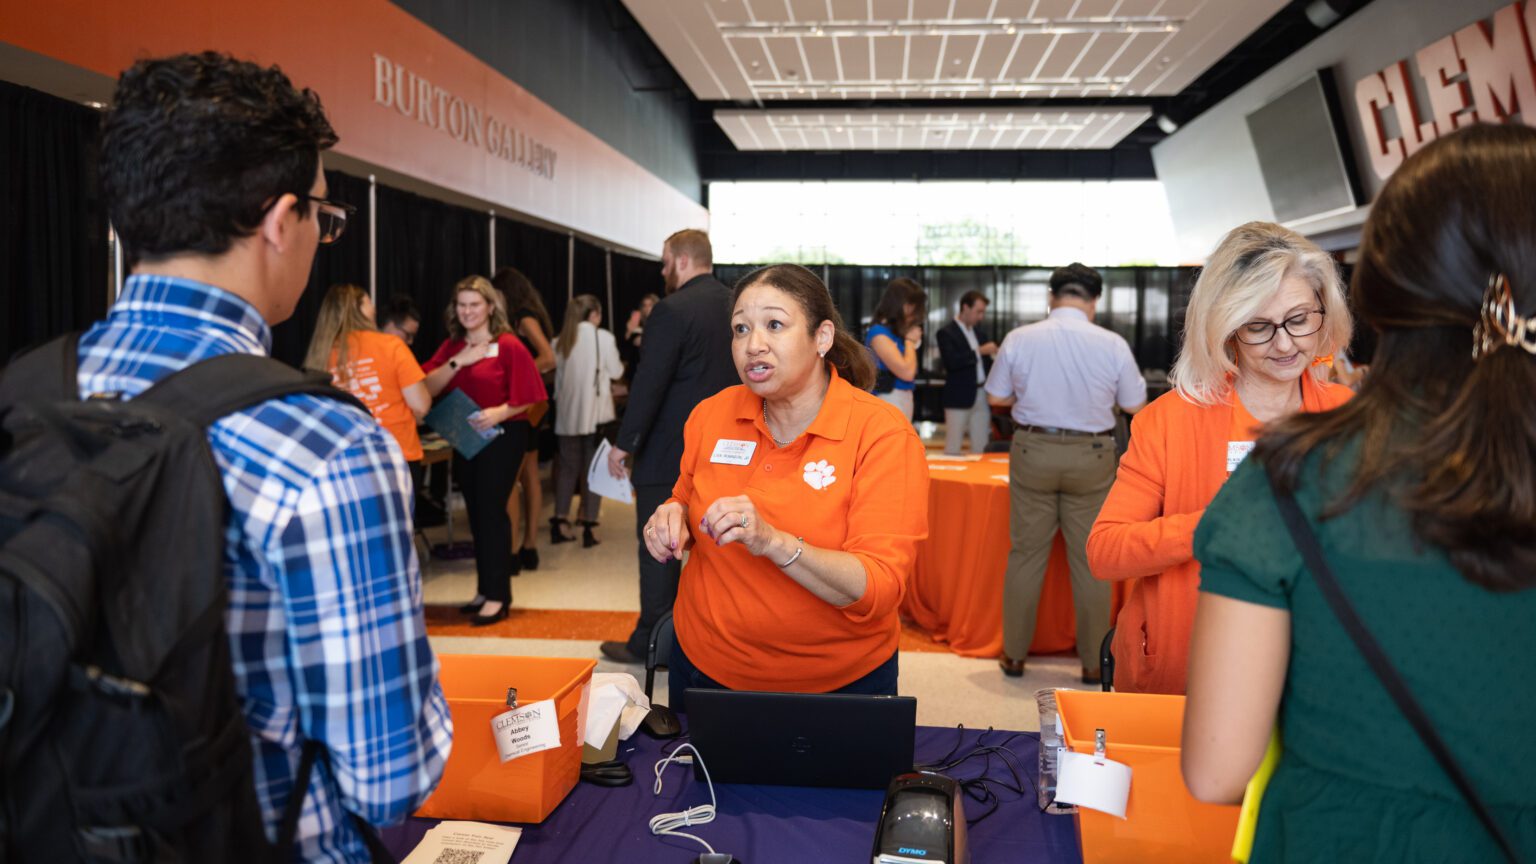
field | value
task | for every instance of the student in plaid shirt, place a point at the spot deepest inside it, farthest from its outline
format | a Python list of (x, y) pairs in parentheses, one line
[(212, 175)]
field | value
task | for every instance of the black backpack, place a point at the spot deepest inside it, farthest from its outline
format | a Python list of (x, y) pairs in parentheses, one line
[(121, 738)]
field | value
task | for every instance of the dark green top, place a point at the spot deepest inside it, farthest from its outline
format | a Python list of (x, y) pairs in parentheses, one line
[(1356, 783)]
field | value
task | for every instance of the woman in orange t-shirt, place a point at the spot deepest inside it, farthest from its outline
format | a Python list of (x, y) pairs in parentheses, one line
[(377, 368), (1267, 310), (803, 499)]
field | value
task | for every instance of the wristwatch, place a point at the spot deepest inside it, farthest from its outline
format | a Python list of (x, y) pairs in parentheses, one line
[(453, 364)]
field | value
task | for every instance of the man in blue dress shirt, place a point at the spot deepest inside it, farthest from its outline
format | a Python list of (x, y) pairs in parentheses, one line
[(1062, 378)]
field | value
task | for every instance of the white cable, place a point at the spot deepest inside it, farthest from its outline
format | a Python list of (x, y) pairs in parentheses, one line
[(666, 824)]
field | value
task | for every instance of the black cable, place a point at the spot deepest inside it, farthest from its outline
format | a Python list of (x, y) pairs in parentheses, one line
[(981, 789)]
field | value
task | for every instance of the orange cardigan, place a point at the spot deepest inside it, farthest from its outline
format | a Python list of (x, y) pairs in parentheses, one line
[(1145, 532)]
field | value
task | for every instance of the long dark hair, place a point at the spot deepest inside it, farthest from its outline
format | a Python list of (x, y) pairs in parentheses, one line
[(1450, 439), (851, 359), (522, 296), (892, 308)]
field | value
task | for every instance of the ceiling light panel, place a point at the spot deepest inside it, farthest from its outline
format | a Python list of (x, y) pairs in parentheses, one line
[(890, 129), (762, 50)]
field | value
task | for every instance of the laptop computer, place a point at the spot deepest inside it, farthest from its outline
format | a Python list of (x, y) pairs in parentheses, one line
[(802, 739)]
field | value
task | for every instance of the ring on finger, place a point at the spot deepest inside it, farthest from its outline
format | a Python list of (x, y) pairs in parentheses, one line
[(745, 521)]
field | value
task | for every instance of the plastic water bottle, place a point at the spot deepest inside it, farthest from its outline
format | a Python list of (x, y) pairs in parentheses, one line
[(490, 433), (1051, 747)]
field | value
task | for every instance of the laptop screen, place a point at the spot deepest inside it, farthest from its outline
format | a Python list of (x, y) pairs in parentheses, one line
[(802, 739)]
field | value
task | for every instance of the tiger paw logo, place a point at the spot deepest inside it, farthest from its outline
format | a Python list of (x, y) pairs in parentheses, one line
[(819, 475)]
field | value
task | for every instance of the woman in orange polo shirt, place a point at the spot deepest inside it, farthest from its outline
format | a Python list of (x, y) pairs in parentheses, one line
[(1267, 310), (377, 368), (802, 497)]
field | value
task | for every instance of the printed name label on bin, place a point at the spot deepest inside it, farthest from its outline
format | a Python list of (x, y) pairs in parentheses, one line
[(526, 730), (728, 452)]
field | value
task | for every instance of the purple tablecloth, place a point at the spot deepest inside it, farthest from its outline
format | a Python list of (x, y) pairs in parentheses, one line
[(771, 824)]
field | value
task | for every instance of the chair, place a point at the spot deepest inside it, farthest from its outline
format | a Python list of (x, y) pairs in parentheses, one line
[(1107, 661), (658, 652)]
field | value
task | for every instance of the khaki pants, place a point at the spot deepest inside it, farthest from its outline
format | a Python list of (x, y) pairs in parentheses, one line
[(1055, 480)]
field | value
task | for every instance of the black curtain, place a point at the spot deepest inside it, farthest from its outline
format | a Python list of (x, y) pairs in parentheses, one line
[(591, 277), (633, 278), (54, 254), (424, 248), (543, 256), (346, 260)]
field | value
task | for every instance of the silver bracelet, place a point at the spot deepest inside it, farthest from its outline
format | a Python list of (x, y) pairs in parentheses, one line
[(798, 551)]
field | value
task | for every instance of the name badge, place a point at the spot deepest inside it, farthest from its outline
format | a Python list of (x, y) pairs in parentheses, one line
[(729, 452), (526, 730), (1237, 451), (493, 350)]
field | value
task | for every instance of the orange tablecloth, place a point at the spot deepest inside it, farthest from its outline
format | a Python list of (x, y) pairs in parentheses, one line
[(956, 593)]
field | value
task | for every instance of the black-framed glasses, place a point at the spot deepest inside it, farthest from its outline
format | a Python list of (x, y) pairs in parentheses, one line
[(331, 216), (1261, 332)]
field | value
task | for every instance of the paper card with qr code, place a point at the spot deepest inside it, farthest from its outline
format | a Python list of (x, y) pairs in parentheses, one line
[(465, 843)]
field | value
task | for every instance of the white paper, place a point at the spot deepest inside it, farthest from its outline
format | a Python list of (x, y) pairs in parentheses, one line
[(608, 703), (581, 713), (946, 467), (482, 843), (729, 452), (529, 729), (934, 456), (604, 483), (1098, 784), (636, 706), (1001, 478)]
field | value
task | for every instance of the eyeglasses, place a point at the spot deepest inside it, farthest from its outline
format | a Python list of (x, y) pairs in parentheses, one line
[(331, 216), (1261, 332)]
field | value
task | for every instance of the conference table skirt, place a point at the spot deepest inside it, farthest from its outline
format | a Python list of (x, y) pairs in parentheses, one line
[(956, 592), (778, 824)]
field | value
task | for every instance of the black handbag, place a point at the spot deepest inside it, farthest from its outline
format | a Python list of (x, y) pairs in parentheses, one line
[(1311, 552)]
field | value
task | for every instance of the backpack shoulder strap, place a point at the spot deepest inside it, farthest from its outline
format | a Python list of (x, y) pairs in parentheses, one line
[(1312, 553), (213, 388), (48, 371)]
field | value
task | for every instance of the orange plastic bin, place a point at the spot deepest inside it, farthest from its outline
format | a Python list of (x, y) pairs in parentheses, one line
[(476, 785), (1163, 823)]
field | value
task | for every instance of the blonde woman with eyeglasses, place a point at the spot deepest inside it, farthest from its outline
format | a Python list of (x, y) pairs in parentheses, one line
[(1265, 314)]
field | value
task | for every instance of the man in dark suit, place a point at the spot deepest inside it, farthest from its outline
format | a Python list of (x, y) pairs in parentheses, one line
[(687, 360), (964, 351)]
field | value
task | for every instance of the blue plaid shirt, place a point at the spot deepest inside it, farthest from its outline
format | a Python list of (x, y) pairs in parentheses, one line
[(325, 616)]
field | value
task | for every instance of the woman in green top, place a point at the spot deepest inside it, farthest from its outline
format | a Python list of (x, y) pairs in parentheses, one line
[(1422, 491)]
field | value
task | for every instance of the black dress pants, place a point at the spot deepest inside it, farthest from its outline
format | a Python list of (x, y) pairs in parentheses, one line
[(658, 582), (487, 482)]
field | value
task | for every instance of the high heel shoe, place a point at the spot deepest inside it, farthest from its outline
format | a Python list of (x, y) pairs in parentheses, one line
[(529, 556), (498, 615), (555, 534), (473, 606), (588, 539)]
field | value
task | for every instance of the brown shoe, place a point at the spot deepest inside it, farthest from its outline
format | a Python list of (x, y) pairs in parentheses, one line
[(1011, 667), (1092, 676)]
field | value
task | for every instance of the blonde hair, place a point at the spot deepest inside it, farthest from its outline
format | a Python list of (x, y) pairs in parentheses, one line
[(341, 315), (482, 286), (578, 310), (1241, 276)]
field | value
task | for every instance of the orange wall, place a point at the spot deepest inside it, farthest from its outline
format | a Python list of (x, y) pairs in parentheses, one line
[(333, 47)]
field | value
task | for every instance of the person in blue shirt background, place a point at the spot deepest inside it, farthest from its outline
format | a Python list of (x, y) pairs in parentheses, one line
[(894, 336)]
